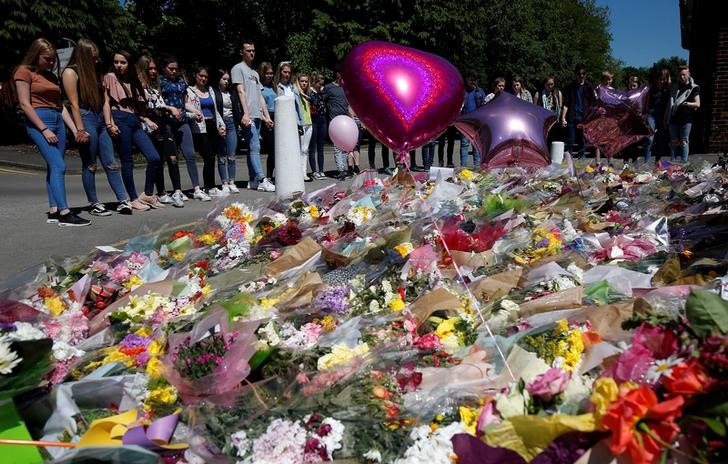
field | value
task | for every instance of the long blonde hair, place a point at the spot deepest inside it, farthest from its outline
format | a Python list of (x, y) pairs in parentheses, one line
[(142, 68), (37, 48), (277, 77), (83, 63)]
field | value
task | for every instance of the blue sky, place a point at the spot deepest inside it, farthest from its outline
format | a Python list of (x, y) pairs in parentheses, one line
[(643, 31)]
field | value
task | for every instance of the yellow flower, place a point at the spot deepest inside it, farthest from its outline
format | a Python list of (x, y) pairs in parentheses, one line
[(176, 255), (562, 326), (153, 368), (341, 354), (604, 392), (396, 304), (466, 175), (155, 347), (207, 238), (328, 323), (589, 168), (404, 249), (268, 303), (206, 290), (469, 418), (55, 305), (144, 332), (445, 328), (313, 211), (133, 281), (164, 395)]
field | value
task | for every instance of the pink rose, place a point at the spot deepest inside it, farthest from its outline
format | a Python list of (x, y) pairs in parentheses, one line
[(549, 384), (429, 341), (661, 342)]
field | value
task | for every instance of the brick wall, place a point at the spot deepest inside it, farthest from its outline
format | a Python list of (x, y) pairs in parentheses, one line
[(718, 107)]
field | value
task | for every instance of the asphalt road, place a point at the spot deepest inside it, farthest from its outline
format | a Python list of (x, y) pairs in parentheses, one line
[(27, 241)]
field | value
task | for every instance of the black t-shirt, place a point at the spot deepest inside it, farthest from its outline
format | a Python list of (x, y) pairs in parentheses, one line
[(684, 114), (336, 102), (659, 98)]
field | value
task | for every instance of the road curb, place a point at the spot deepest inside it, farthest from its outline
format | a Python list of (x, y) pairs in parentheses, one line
[(33, 167)]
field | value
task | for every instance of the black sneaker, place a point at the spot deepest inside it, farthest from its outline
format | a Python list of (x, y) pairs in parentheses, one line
[(71, 220), (124, 208), (53, 217), (356, 169), (341, 175), (98, 209)]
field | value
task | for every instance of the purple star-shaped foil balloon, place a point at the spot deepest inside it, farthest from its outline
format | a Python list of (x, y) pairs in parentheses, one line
[(509, 131), (617, 120)]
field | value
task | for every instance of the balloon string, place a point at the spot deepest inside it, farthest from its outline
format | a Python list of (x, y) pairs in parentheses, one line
[(472, 297), (404, 157)]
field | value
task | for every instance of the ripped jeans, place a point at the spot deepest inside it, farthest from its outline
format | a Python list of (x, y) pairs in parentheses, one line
[(227, 150), (99, 147), (680, 141)]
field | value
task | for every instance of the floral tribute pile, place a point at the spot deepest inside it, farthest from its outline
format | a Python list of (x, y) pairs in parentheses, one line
[(500, 317)]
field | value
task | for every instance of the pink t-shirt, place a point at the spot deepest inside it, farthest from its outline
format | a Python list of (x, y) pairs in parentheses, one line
[(120, 94)]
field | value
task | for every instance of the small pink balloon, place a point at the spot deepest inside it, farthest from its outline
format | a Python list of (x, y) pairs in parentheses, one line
[(403, 96), (344, 132)]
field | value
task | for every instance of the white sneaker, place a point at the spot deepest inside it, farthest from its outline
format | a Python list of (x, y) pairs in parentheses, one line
[(200, 195), (216, 192), (225, 188), (166, 199), (177, 199), (233, 188), (266, 186)]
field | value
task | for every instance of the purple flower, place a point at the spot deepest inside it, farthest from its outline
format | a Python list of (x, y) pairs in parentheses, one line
[(134, 341), (335, 299), (549, 384)]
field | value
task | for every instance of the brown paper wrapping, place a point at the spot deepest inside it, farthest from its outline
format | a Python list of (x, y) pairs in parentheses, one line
[(335, 259), (565, 299), (304, 292), (101, 320), (496, 285), (607, 320), (473, 260), (293, 256), (430, 302)]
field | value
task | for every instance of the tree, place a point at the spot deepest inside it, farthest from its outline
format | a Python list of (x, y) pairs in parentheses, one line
[(105, 22)]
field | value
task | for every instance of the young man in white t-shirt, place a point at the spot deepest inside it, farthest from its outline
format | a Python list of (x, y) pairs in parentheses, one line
[(249, 88)]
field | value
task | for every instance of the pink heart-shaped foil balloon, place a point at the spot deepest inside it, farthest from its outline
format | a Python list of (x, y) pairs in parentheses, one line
[(404, 97)]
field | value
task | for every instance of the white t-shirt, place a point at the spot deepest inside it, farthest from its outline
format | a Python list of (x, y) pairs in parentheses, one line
[(243, 74), (227, 105)]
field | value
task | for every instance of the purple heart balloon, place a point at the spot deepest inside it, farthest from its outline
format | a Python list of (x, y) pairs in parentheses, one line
[(404, 97)]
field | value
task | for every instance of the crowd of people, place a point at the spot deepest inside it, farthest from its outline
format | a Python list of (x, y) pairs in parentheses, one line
[(150, 105)]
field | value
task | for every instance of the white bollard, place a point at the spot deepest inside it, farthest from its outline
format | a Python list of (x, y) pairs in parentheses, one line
[(557, 152), (288, 148)]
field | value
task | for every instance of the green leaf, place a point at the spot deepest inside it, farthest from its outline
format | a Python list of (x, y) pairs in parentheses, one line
[(715, 425), (706, 311), (237, 305)]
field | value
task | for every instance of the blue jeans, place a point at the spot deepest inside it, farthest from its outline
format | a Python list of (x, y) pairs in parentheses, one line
[(464, 149), (428, 154), (99, 146), (318, 138), (680, 140), (252, 136), (183, 139), (132, 135), (655, 144), (52, 154), (226, 152)]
